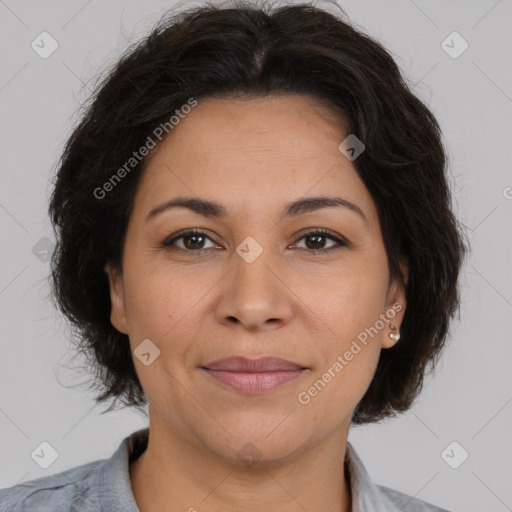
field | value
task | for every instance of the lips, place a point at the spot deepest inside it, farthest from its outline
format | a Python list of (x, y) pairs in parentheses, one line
[(253, 376), (243, 364)]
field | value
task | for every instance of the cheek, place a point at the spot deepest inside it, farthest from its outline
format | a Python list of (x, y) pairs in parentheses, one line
[(148, 305), (164, 303), (351, 299), (351, 308), (348, 364), (159, 310)]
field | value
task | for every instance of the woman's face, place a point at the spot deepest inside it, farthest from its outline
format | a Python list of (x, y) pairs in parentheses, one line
[(255, 284)]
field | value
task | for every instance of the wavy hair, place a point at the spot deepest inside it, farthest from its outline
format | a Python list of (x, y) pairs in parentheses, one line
[(244, 50)]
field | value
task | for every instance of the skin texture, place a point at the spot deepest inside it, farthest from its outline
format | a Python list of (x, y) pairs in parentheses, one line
[(253, 156)]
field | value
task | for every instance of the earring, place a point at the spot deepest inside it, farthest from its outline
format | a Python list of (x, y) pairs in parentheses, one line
[(395, 336)]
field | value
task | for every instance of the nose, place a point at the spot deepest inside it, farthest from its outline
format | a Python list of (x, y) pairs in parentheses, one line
[(254, 293)]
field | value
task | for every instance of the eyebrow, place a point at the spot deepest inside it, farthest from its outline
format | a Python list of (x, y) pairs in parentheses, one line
[(208, 208)]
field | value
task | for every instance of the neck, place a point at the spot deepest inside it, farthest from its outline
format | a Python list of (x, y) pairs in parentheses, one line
[(175, 475)]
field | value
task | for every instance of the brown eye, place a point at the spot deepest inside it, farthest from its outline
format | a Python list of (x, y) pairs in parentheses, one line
[(193, 240), (317, 240)]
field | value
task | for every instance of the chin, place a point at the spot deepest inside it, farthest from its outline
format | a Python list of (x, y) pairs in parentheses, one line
[(262, 440)]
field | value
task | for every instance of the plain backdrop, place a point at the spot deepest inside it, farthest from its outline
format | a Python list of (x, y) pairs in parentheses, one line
[(468, 400)]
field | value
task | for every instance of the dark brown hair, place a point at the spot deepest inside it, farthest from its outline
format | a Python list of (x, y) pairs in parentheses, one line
[(240, 51)]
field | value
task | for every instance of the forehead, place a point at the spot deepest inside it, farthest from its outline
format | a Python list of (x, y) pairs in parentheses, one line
[(253, 152), (286, 127)]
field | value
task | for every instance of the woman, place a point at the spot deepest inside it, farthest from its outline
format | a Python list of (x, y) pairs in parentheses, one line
[(255, 239)]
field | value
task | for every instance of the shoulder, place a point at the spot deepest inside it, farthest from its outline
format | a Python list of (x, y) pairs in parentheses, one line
[(71, 490), (93, 487), (406, 503), (370, 497)]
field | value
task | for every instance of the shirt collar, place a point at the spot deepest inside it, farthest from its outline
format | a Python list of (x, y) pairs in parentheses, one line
[(116, 495), (115, 489), (366, 496)]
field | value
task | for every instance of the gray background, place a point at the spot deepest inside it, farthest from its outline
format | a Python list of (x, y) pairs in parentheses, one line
[(468, 400)]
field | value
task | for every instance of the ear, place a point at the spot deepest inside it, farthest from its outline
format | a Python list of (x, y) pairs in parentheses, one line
[(395, 307), (118, 310)]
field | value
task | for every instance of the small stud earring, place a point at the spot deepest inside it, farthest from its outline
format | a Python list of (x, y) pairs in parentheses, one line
[(395, 336)]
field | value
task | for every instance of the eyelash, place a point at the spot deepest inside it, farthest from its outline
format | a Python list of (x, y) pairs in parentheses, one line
[(168, 243)]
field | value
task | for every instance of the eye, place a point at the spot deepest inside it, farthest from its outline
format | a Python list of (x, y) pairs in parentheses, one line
[(318, 238), (194, 240)]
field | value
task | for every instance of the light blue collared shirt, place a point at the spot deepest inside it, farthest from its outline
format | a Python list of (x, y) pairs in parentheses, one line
[(104, 486)]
